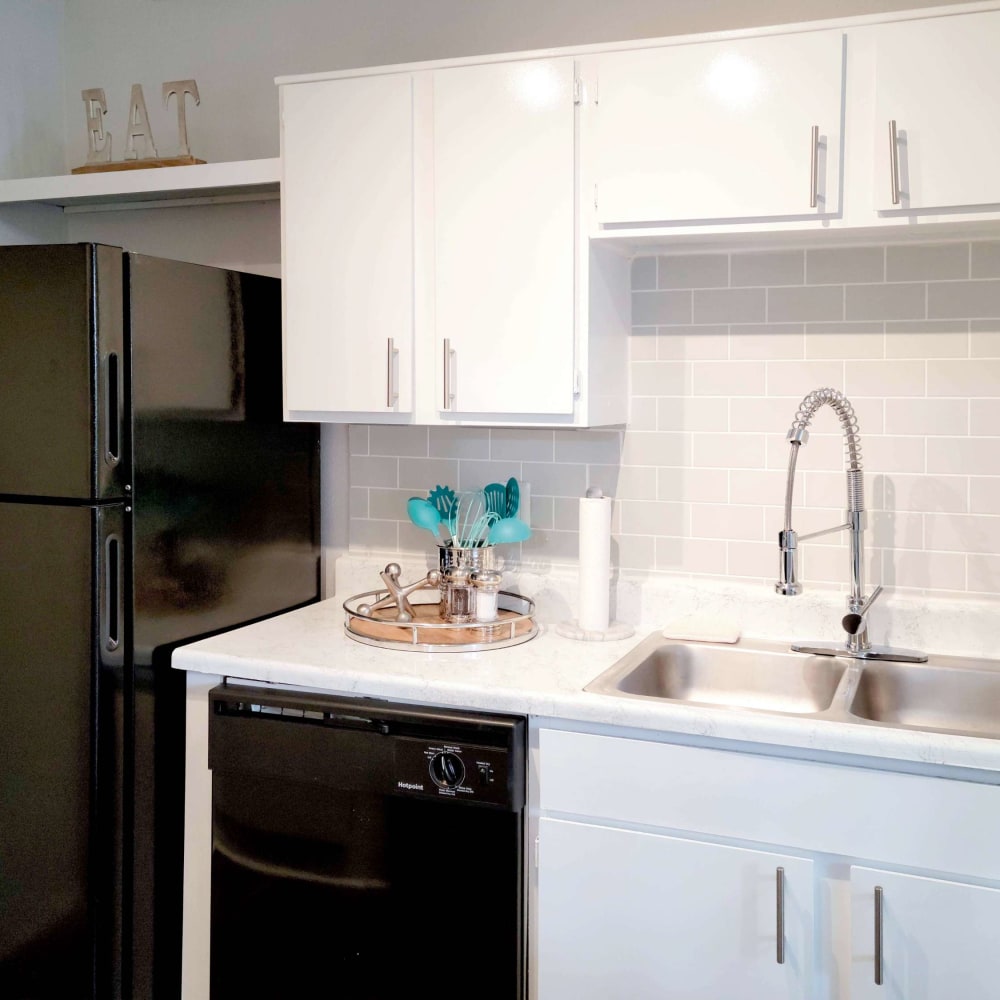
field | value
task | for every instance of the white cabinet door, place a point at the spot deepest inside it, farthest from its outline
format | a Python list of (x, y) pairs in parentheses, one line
[(504, 238), (938, 938), (347, 244), (645, 916), (720, 130), (938, 80)]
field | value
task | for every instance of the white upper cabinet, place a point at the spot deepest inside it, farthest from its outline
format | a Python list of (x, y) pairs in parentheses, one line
[(433, 267), (504, 244), (347, 202), (937, 86), (730, 130)]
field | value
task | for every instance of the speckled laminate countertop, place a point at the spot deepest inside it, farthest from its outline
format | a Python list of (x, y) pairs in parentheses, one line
[(544, 677)]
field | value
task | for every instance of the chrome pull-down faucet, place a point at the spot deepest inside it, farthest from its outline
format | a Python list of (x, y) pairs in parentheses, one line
[(855, 622)]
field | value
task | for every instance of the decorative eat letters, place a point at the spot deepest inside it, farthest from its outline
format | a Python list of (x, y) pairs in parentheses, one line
[(181, 88), (97, 108), (140, 150), (138, 128)]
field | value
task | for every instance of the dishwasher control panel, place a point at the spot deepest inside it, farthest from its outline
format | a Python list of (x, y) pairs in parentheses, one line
[(439, 769)]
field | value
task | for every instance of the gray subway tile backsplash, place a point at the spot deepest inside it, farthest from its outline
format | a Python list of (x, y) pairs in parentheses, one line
[(724, 347), (780, 267), (986, 259), (927, 262), (845, 265), (730, 305), (516, 445), (459, 442), (643, 273), (967, 299), (390, 440), (377, 470), (809, 303), (693, 271), (660, 308), (905, 300)]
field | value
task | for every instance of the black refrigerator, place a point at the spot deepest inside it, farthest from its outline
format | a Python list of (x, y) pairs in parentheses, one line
[(149, 494)]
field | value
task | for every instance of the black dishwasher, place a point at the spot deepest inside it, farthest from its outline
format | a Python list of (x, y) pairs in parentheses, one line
[(364, 850)]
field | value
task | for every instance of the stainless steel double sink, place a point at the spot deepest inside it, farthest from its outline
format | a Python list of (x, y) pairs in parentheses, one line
[(947, 694)]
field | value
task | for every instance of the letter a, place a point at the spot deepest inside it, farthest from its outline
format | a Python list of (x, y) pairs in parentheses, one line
[(138, 128)]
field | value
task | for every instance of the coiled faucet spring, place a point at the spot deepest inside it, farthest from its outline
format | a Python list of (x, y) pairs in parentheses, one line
[(857, 643)]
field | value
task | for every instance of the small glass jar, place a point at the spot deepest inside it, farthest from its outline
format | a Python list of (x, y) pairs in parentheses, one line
[(487, 588), (459, 597)]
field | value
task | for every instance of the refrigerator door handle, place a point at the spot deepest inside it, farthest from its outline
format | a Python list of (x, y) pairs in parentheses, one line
[(113, 411), (114, 611)]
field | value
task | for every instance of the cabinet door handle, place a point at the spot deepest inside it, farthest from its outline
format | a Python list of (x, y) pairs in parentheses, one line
[(391, 392), (814, 168), (779, 883), (894, 161), (448, 394), (878, 929)]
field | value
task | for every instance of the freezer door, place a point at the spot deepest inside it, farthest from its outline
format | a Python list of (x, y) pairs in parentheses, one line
[(61, 647), (62, 372)]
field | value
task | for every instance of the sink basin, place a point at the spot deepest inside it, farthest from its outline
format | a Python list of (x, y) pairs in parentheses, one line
[(961, 697), (758, 675)]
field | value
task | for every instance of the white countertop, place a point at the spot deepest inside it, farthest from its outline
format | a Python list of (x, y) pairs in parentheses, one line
[(544, 677)]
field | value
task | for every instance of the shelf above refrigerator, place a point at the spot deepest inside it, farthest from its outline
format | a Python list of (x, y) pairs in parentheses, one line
[(204, 183)]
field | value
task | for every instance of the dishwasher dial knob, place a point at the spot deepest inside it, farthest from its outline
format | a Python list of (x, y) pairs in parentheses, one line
[(447, 770)]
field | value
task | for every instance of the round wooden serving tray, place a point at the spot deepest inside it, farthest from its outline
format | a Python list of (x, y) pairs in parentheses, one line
[(430, 633)]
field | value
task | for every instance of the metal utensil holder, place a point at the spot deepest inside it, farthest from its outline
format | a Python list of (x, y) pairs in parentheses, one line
[(457, 565), (477, 558)]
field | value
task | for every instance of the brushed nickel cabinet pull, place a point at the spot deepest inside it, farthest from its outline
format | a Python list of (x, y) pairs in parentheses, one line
[(391, 392), (878, 927), (779, 881), (814, 168), (448, 396), (894, 161)]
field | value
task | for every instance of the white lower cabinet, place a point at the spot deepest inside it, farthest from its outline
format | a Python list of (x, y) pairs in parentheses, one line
[(918, 938), (624, 913), (658, 873)]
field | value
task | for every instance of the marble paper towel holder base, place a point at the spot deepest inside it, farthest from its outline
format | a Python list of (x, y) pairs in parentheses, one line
[(616, 630)]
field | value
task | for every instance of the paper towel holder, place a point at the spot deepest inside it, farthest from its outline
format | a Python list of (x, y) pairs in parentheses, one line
[(614, 630)]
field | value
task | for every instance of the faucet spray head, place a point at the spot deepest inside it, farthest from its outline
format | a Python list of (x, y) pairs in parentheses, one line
[(788, 584)]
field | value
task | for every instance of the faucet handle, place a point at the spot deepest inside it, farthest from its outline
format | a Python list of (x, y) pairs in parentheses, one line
[(852, 622)]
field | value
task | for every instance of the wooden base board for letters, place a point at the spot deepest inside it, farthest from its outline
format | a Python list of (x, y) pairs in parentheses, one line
[(163, 161)]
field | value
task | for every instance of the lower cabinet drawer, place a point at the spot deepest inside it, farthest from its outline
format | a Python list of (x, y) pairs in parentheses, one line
[(907, 820)]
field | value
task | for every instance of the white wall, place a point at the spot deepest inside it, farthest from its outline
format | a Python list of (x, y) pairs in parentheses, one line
[(235, 48)]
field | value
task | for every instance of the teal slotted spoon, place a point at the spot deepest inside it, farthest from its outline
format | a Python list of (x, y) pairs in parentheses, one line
[(496, 498)]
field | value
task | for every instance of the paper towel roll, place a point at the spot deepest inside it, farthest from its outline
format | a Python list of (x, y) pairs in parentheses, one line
[(595, 562)]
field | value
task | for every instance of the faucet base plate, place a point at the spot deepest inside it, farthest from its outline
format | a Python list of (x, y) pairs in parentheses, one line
[(872, 653)]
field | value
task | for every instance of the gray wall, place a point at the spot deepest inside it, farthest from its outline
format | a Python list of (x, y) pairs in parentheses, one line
[(235, 48)]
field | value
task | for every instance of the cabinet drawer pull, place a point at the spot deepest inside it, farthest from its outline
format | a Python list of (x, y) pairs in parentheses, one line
[(448, 394), (814, 168), (894, 161), (878, 927), (779, 882), (391, 392)]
